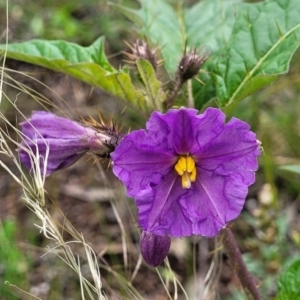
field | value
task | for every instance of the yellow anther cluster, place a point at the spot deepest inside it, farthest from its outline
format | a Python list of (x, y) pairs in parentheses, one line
[(186, 168)]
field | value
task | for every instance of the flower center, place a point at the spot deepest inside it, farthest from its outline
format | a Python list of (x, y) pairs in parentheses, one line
[(186, 168)]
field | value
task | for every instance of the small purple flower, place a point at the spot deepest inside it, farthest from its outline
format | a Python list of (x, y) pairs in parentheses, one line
[(64, 140), (189, 173)]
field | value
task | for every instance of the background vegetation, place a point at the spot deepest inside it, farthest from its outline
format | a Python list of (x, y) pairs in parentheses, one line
[(268, 229)]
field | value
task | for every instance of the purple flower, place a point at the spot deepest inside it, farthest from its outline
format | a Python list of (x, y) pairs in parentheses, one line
[(64, 140), (189, 173)]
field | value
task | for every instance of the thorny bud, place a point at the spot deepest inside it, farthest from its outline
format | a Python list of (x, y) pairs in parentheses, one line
[(105, 138), (154, 248), (190, 65), (140, 49), (101, 144)]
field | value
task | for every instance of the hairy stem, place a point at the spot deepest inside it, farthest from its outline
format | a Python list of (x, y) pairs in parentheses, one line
[(238, 265), (191, 102), (172, 96)]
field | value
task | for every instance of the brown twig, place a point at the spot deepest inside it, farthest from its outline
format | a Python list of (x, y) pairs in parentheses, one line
[(237, 263)]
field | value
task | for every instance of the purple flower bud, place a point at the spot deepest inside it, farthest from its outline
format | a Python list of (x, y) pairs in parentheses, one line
[(60, 142), (154, 248)]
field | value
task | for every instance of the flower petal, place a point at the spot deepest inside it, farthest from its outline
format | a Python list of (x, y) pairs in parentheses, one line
[(179, 129), (234, 149), (214, 200), (64, 140), (159, 208), (61, 153), (49, 125), (139, 161), (206, 127), (205, 209)]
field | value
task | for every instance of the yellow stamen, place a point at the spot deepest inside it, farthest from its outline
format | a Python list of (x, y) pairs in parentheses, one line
[(182, 163), (186, 168), (179, 170), (185, 181), (190, 163), (193, 175)]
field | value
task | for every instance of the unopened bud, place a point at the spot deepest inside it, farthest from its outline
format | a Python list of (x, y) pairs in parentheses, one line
[(103, 136), (140, 49), (101, 144), (154, 248), (190, 64)]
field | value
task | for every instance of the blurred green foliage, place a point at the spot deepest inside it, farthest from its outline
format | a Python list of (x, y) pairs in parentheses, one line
[(274, 113), (75, 21), (13, 263), (289, 283)]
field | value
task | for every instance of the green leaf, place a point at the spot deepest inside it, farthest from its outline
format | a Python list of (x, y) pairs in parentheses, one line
[(208, 23), (289, 283), (88, 64), (158, 21), (154, 93), (49, 53), (250, 44), (264, 37), (291, 168)]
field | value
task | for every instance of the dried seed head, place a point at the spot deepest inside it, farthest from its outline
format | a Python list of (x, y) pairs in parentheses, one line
[(190, 65), (140, 49)]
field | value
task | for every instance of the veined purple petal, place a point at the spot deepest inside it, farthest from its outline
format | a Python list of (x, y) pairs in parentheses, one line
[(205, 209), (61, 153), (234, 149), (65, 140), (50, 125), (178, 130), (160, 211), (208, 125), (175, 129), (215, 201), (140, 161)]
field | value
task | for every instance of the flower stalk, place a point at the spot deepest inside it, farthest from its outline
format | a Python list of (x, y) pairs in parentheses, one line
[(238, 265), (189, 67)]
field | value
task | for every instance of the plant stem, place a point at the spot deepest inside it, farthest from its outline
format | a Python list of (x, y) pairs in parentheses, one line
[(191, 102), (238, 265), (171, 98)]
